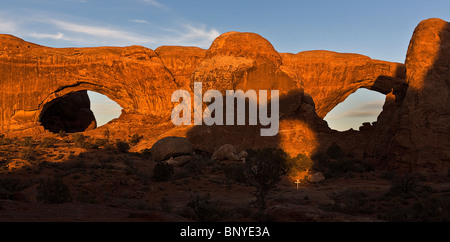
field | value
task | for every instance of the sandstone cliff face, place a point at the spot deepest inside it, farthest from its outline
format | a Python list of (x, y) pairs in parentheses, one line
[(330, 77), (33, 75), (422, 138), (411, 131)]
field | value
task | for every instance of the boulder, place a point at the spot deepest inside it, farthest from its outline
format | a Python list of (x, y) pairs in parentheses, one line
[(226, 152), (168, 147), (316, 177), (179, 160)]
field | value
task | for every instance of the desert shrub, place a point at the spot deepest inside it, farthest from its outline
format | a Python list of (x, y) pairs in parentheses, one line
[(106, 134), (204, 209), (404, 185), (320, 162), (300, 163), (162, 171), (346, 165), (146, 154), (106, 164), (6, 141), (130, 168), (4, 162), (135, 138), (108, 146), (433, 208), (348, 202), (48, 142), (79, 139), (263, 170), (53, 191), (334, 151), (235, 173), (197, 164), (100, 142), (29, 154), (62, 133), (86, 197), (82, 141), (27, 142), (12, 184), (165, 205), (122, 146)]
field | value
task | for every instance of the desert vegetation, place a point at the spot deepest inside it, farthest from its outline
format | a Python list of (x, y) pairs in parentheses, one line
[(78, 170)]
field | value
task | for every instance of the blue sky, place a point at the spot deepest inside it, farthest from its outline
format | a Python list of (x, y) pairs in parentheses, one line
[(379, 29)]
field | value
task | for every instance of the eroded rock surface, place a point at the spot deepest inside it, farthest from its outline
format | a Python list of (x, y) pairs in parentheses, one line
[(411, 131)]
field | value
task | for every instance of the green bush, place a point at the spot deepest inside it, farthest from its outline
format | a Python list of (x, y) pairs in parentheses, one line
[(82, 141), (135, 139), (334, 151), (300, 163), (48, 142), (146, 154), (235, 173), (79, 139), (62, 133), (27, 142), (29, 154), (122, 146), (404, 185), (100, 142), (263, 170), (346, 165), (204, 209), (197, 164), (12, 184), (162, 171), (348, 202), (53, 191), (432, 208)]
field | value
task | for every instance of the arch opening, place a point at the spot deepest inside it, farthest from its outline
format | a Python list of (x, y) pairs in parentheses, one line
[(78, 111), (358, 111)]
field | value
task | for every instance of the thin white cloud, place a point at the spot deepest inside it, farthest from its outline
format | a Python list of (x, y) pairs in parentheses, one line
[(77, 1), (355, 114), (7, 26), (140, 21), (57, 36), (154, 3), (366, 110), (186, 34), (190, 34), (103, 33), (64, 31), (372, 105)]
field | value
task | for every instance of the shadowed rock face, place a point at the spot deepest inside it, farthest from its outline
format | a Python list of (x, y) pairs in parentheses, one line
[(422, 137), (330, 77), (70, 114), (412, 127)]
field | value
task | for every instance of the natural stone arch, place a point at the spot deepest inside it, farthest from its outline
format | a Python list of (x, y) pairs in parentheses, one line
[(330, 77), (359, 111), (70, 113), (33, 75), (77, 102)]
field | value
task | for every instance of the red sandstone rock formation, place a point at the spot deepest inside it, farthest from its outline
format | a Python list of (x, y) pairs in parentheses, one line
[(413, 127), (421, 139), (330, 77)]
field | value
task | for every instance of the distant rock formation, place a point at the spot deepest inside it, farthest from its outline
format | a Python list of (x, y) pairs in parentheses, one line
[(411, 132)]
